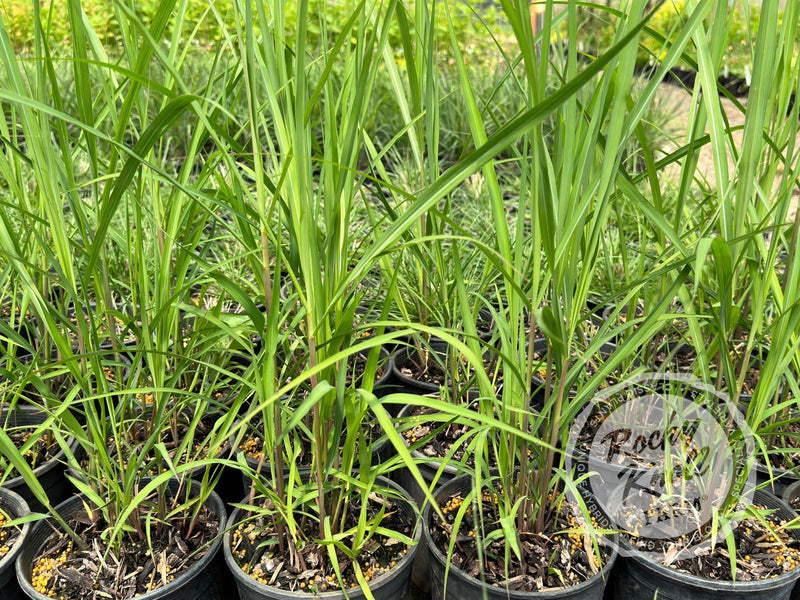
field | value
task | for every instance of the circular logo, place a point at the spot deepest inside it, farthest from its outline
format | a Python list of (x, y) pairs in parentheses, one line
[(660, 455)]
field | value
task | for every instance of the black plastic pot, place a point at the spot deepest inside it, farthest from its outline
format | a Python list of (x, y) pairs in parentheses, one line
[(381, 451), (638, 578), (392, 585), (409, 355), (672, 349), (202, 581), (51, 474), (779, 482), (790, 493), (538, 384), (461, 586), (15, 507), (428, 468), (406, 355)]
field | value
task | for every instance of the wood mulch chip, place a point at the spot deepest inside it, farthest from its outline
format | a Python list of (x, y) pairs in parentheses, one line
[(439, 443), (559, 557), (760, 553), (135, 567), (307, 566)]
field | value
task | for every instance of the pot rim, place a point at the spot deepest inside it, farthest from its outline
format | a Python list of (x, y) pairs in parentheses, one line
[(385, 577), (214, 502), (7, 496), (604, 573), (714, 584)]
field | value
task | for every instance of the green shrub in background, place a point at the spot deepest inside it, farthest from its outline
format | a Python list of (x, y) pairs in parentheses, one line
[(18, 16), (470, 20), (739, 40)]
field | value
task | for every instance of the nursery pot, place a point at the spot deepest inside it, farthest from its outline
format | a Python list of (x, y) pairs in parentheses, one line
[(461, 586), (15, 507), (406, 355), (538, 384), (790, 493), (202, 581), (381, 451), (50, 474), (778, 482), (392, 585), (428, 467), (639, 578)]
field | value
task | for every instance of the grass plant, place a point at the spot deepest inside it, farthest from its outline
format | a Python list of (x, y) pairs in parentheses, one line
[(452, 159)]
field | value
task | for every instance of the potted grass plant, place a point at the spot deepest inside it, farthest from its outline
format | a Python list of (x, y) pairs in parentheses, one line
[(327, 521), (145, 181), (520, 480), (112, 515), (422, 272), (724, 566), (138, 503)]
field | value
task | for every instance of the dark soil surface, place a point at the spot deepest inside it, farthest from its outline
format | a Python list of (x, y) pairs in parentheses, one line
[(42, 450), (134, 568), (761, 553), (680, 359), (439, 438), (357, 365), (307, 566), (431, 371), (559, 557), (438, 371)]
